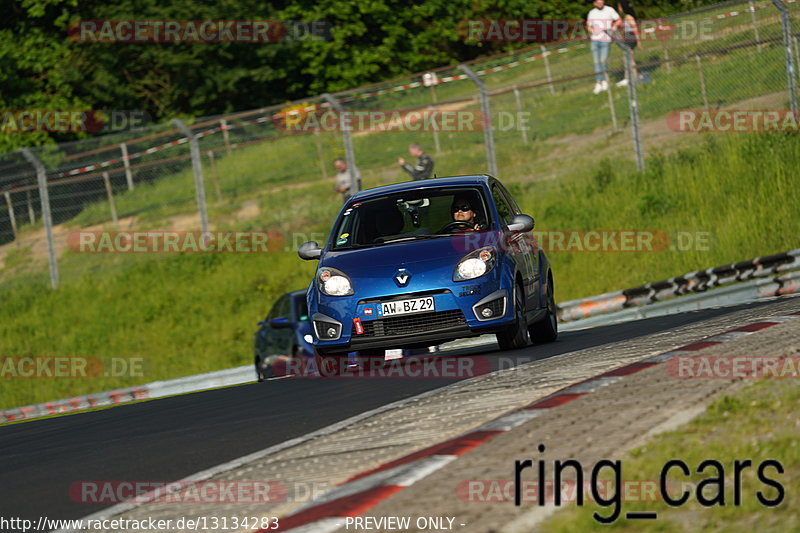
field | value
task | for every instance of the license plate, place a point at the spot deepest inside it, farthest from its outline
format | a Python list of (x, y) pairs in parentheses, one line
[(395, 353), (406, 307)]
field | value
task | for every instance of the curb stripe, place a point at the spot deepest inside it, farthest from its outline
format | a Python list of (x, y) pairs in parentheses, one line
[(628, 369), (756, 326), (359, 494), (695, 346), (457, 447), (555, 400), (352, 505)]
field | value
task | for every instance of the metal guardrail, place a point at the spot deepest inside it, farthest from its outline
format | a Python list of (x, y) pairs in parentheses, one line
[(692, 282)]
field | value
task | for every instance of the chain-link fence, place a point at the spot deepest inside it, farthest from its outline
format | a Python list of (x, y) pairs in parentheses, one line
[(530, 114)]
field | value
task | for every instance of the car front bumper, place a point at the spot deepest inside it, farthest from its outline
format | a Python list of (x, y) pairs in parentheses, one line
[(458, 314)]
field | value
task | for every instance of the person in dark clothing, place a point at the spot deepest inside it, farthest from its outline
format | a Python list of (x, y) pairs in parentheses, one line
[(423, 169)]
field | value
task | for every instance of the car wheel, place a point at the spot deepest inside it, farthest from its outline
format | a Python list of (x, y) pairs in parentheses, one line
[(264, 371), (329, 365), (516, 335), (546, 330)]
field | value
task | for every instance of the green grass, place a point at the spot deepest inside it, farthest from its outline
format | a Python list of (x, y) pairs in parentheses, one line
[(757, 423), (193, 313)]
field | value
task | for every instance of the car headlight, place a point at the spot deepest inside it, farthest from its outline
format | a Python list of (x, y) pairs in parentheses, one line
[(475, 264), (308, 338), (332, 282)]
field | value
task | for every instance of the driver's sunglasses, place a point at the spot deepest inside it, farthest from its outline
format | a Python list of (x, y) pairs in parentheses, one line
[(464, 208)]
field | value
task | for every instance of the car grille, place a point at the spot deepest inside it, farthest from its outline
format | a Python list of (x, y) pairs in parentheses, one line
[(405, 325)]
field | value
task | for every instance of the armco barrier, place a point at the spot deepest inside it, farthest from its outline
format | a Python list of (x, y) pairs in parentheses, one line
[(693, 282), (156, 389)]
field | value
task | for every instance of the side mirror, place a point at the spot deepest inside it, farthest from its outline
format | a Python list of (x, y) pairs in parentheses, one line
[(279, 323), (309, 250), (521, 223)]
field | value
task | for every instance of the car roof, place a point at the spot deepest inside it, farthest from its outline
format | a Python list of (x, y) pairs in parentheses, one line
[(477, 179)]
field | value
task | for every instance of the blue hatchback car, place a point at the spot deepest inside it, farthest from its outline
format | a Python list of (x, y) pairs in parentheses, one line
[(425, 262), (284, 335)]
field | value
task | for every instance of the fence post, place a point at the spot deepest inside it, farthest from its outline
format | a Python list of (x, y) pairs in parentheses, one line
[(667, 62), (790, 68), (611, 106), (752, 11), (127, 163), (797, 57), (212, 162), (633, 102), (431, 81), (322, 166), (702, 80), (11, 216), (31, 215), (44, 196), (545, 53), (223, 124), (488, 135), (523, 129), (349, 154), (197, 167), (110, 195)]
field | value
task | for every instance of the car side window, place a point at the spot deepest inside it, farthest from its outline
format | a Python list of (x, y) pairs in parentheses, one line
[(505, 210), (280, 309), (510, 199)]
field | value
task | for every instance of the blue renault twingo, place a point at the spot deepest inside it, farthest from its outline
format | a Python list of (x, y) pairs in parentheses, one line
[(425, 262)]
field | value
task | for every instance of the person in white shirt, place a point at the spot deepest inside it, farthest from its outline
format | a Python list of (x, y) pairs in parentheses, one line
[(601, 18)]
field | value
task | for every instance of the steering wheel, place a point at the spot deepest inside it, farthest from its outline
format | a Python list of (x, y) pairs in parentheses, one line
[(456, 224)]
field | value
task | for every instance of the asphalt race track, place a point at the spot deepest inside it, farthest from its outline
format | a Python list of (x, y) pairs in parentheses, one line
[(169, 439)]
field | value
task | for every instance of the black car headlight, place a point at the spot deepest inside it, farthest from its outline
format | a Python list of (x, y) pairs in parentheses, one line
[(475, 264), (332, 282)]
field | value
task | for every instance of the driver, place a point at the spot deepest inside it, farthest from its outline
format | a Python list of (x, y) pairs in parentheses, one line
[(463, 212)]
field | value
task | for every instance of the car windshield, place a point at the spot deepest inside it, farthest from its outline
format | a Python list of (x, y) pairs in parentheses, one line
[(411, 215)]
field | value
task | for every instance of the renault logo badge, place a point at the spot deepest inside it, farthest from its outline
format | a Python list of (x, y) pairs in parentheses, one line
[(402, 277)]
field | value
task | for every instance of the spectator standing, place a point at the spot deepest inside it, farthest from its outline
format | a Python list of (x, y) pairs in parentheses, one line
[(630, 34), (423, 169), (346, 179), (601, 19)]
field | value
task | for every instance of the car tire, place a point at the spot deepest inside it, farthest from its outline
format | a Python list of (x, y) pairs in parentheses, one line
[(546, 329), (263, 371), (515, 336)]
